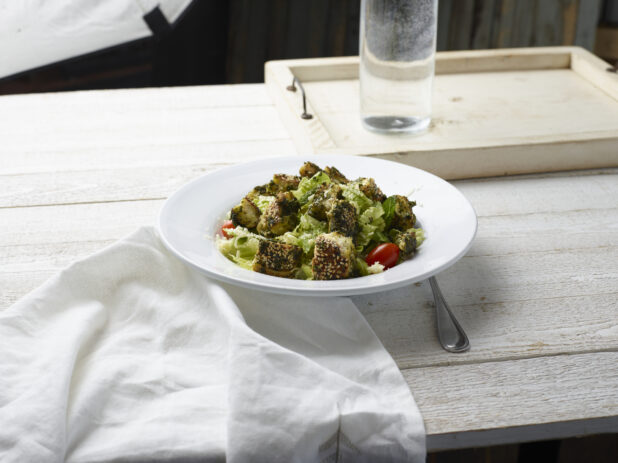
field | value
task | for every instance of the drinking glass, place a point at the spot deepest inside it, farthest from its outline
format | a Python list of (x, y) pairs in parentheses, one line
[(397, 59)]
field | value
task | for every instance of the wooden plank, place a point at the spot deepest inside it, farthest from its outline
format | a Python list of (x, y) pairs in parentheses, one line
[(504, 402), (319, 17), (82, 130), (84, 186), (460, 31), (460, 62), (336, 29), (165, 123), (563, 197), (298, 29), (548, 23), (235, 68), (253, 51), (570, 191), (610, 12), (136, 99), (352, 26), (606, 45), (143, 181), (569, 21), (502, 26), (594, 70), (588, 15), (445, 8), (483, 23), (510, 159), (24, 160), (44, 225), (523, 23), (502, 60)]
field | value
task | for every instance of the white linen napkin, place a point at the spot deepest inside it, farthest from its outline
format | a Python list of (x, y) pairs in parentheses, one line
[(129, 355)]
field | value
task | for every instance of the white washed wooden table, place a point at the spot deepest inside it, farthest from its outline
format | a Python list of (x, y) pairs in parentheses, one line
[(537, 293)]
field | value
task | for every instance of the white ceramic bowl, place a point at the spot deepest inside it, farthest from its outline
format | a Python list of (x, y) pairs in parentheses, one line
[(190, 218)]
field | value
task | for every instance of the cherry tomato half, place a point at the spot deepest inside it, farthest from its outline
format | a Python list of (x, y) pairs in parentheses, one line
[(227, 224), (386, 254)]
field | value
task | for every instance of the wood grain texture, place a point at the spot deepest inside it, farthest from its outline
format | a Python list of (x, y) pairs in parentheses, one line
[(513, 393), (485, 122), (536, 292), (548, 22), (606, 44), (588, 14), (494, 291), (482, 23), (24, 160), (523, 23), (460, 25), (502, 27), (588, 67), (444, 18)]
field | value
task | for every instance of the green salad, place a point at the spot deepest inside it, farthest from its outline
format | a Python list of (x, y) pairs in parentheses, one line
[(319, 226)]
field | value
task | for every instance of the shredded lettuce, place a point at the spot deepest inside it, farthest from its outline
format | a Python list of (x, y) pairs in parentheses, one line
[(389, 210), (241, 247), (305, 233), (307, 186), (352, 193), (371, 226), (305, 272), (262, 202)]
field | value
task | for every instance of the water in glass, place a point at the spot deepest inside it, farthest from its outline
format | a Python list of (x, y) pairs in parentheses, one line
[(397, 56)]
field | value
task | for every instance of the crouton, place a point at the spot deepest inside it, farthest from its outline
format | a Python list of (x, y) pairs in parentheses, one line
[(342, 218), (277, 259), (403, 217), (308, 169), (269, 189), (280, 216), (335, 176), (370, 189), (333, 257), (405, 241), (324, 199), (245, 214), (284, 182)]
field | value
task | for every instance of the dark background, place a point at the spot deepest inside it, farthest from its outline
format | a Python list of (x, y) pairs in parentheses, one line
[(218, 42)]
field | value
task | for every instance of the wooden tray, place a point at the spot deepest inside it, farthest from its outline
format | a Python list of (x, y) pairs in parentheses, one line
[(495, 112)]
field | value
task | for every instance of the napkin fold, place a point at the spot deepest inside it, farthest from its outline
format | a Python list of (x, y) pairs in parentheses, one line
[(129, 355)]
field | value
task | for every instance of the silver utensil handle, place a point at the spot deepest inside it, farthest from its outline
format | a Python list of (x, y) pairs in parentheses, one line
[(450, 333)]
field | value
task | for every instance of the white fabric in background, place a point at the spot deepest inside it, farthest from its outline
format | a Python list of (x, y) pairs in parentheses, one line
[(129, 355), (34, 33)]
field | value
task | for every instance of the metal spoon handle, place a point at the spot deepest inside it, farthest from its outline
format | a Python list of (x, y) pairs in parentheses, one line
[(451, 334)]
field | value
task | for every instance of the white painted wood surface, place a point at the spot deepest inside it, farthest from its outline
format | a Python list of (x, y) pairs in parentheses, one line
[(494, 112), (537, 293)]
